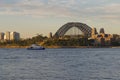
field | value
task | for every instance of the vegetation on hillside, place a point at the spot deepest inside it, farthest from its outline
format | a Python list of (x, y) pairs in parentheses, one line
[(66, 42), (44, 41), (26, 42)]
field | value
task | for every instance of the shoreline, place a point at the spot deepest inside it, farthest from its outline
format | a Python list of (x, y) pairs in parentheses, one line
[(13, 46), (63, 46)]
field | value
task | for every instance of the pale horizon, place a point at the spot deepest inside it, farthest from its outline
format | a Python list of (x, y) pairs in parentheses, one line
[(31, 17)]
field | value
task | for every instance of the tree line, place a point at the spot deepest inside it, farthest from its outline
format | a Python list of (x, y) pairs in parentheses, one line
[(25, 42), (45, 41)]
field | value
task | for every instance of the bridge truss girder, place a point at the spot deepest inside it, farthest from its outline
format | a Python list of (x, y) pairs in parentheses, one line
[(86, 30)]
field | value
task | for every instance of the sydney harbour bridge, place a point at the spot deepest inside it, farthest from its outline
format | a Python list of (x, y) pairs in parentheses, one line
[(73, 28)]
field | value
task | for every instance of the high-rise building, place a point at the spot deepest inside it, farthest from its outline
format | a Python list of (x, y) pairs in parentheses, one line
[(2, 36), (7, 35), (50, 35), (94, 31), (102, 38), (102, 31), (14, 36)]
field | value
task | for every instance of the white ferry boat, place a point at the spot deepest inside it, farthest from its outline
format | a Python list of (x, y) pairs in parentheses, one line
[(35, 47)]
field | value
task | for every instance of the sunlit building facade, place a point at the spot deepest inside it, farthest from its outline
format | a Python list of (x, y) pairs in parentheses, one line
[(14, 36), (102, 38), (7, 36), (50, 35)]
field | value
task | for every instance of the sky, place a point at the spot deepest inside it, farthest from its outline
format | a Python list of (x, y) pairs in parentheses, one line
[(31, 17)]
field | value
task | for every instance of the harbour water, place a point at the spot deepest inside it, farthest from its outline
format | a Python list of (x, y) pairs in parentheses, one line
[(60, 64)]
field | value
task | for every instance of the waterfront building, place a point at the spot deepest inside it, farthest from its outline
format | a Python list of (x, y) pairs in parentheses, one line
[(50, 35), (116, 38), (7, 36), (94, 33), (14, 36), (1, 36), (101, 38), (102, 31)]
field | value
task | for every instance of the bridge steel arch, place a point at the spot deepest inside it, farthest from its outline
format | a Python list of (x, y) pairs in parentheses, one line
[(81, 26)]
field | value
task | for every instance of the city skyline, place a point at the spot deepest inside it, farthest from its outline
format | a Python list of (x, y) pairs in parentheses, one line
[(8, 36), (30, 17)]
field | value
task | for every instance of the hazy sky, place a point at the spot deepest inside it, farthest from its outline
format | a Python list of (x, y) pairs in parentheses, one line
[(30, 17)]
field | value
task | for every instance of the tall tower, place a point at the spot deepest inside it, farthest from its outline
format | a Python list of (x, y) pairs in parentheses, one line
[(94, 31), (14, 36), (50, 35), (102, 31), (2, 36), (7, 35)]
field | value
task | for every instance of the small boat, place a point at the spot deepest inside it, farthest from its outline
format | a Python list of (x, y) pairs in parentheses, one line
[(35, 47)]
